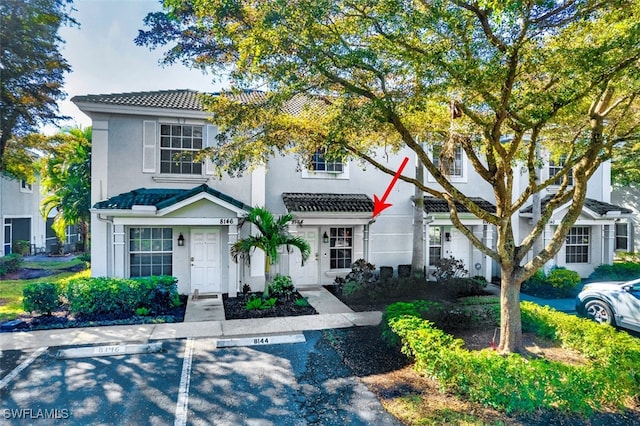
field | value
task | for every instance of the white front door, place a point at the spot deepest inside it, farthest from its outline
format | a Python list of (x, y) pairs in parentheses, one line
[(307, 274), (205, 260)]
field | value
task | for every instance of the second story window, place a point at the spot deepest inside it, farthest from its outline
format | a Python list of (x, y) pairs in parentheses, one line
[(456, 166), (320, 164), (25, 186), (178, 146), (555, 166)]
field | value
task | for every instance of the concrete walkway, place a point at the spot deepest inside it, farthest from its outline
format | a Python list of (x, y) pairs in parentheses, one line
[(331, 314)]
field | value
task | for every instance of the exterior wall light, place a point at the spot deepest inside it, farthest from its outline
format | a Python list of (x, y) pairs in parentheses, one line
[(325, 238), (181, 240)]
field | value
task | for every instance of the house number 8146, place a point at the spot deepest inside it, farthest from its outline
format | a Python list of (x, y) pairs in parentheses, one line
[(227, 221)]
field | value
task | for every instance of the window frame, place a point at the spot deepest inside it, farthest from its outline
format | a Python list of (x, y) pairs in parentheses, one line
[(572, 257), (432, 259), (461, 175), (26, 187), (337, 259), (151, 252), (309, 172), (554, 168), (176, 144), (621, 236)]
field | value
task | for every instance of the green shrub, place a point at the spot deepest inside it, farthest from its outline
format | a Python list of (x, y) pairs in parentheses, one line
[(142, 311), (617, 272), (463, 287), (85, 257), (448, 268), (282, 286), (10, 263), (257, 302), (564, 280), (21, 247), (353, 290), (118, 297), (40, 297), (515, 384), (302, 302)]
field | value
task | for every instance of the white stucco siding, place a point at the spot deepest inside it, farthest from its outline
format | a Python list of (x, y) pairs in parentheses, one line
[(23, 204)]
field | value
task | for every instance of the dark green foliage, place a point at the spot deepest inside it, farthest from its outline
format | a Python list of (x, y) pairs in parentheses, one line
[(40, 297), (559, 282), (32, 72), (117, 297), (617, 272), (257, 302), (282, 286), (302, 302), (21, 247), (10, 263), (448, 268), (463, 287), (85, 257), (515, 384)]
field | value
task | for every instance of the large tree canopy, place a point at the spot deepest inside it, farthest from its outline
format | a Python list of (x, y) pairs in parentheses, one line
[(503, 80), (31, 66)]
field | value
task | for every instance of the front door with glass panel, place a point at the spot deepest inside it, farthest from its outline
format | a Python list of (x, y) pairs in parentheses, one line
[(205, 260)]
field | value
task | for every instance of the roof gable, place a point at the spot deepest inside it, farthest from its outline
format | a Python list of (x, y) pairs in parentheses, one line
[(165, 198), (599, 207)]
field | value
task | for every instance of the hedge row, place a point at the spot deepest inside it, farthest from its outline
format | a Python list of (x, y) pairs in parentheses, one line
[(97, 298), (515, 384), (10, 263)]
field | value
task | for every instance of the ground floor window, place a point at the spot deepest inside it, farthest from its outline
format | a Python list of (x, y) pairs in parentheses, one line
[(341, 248), (435, 244), (622, 236), (150, 251), (577, 246)]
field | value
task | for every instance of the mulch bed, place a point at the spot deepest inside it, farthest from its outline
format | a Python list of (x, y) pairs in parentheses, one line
[(234, 307), (62, 318)]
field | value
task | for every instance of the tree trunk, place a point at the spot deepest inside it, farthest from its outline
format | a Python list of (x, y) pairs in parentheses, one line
[(267, 275), (510, 320), (417, 258)]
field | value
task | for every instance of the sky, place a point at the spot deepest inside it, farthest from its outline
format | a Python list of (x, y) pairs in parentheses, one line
[(105, 59)]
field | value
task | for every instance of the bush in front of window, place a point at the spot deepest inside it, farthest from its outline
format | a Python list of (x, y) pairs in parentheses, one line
[(622, 271), (116, 298)]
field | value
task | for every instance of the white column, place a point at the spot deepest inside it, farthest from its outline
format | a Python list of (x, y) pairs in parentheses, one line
[(101, 240), (233, 286), (119, 241), (487, 259)]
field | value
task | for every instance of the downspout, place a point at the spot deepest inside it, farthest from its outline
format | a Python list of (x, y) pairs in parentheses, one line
[(366, 244)]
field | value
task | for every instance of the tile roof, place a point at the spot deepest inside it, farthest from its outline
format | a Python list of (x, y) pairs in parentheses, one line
[(171, 99), (437, 205), (183, 99), (599, 207), (304, 202), (162, 198)]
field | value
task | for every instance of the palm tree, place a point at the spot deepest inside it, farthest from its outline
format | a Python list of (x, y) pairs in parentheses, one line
[(272, 234), (66, 178)]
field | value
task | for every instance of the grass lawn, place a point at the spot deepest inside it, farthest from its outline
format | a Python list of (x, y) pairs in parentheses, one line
[(11, 290)]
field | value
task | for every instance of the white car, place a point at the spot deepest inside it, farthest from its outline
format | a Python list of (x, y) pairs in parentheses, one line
[(614, 302)]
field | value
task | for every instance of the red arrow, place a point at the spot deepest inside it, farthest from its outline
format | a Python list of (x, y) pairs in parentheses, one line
[(379, 205)]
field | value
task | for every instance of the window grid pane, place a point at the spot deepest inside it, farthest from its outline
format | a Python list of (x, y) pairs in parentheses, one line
[(622, 237), (178, 146), (577, 245), (150, 251), (555, 168), (435, 244), (320, 164), (455, 168), (341, 248)]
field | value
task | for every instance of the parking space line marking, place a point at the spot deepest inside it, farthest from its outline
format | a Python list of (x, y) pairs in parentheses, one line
[(183, 392), (5, 381)]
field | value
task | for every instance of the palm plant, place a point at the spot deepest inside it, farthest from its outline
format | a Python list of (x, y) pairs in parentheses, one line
[(66, 178), (272, 234)]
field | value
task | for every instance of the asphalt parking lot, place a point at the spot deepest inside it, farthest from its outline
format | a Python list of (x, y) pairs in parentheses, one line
[(189, 381)]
